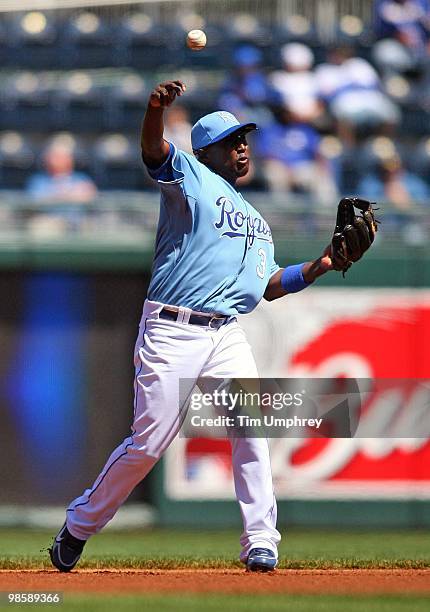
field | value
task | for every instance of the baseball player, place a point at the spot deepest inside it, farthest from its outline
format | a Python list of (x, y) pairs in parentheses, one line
[(214, 259)]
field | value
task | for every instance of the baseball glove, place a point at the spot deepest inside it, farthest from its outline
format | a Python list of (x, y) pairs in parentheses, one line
[(353, 233)]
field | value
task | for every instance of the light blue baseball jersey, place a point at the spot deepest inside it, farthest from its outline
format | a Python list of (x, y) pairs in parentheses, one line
[(214, 252)]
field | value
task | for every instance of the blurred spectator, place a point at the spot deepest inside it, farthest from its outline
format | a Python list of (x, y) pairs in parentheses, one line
[(390, 182), (408, 21), (296, 82), (291, 158), (390, 56), (177, 127), (351, 88), (247, 87), (60, 182)]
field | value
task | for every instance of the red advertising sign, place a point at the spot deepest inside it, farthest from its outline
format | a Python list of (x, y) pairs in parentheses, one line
[(387, 336)]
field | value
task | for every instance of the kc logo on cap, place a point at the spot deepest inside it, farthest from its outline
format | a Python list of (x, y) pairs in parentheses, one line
[(228, 117), (214, 127)]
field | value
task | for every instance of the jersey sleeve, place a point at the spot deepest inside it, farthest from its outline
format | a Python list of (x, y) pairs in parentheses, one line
[(180, 169), (273, 268), (168, 172)]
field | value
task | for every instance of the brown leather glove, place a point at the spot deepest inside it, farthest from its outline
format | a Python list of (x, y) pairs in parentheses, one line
[(353, 233)]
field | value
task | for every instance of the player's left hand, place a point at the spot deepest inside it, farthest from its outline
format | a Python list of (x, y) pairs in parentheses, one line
[(313, 269), (353, 234)]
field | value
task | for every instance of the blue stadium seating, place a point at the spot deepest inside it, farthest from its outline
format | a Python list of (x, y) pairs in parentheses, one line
[(80, 104), (418, 158), (25, 103), (37, 101), (117, 162), (127, 103), (16, 160), (144, 44), (87, 41), (32, 41)]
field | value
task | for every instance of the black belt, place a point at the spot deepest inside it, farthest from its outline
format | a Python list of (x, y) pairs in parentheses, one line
[(213, 321)]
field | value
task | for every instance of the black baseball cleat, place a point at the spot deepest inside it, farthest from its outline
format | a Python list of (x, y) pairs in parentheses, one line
[(66, 550), (261, 560)]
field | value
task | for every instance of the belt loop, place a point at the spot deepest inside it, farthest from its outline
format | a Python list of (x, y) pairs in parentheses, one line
[(183, 315), (158, 310)]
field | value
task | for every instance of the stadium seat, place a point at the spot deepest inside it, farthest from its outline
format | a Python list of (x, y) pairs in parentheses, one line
[(374, 150), (117, 162), (33, 41), (296, 28), (353, 32), (146, 44), (196, 104), (246, 29), (16, 160), (80, 103), (418, 158), (399, 89), (88, 42), (4, 55), (357, 162), (127, 103), (415, 120), (25, 103)]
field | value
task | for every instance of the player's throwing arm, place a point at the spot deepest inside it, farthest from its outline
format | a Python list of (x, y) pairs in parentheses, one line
[(155, 149)]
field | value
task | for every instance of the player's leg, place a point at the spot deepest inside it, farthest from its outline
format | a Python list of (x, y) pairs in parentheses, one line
[(252, 473), (165, 352)]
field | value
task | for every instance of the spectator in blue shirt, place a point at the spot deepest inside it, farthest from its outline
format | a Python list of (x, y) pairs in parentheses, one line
[(289, 150), (60, 182), (247, 89)]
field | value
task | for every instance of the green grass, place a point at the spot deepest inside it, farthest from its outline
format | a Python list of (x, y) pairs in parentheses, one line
[(245, 603), (164, 548)]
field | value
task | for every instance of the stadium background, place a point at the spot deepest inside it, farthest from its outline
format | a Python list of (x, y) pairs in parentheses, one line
[(74, 275)]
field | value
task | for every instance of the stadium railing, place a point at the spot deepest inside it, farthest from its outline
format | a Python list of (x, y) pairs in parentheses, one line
[(117, 231)]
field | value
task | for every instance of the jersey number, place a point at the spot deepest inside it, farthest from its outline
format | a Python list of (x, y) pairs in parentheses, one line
[(261, 268)]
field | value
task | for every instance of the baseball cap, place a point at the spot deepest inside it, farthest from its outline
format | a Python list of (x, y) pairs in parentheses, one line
[(216, 126), (247, 56)]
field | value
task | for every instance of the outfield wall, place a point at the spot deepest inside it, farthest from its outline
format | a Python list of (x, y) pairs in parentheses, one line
[(68, 319)]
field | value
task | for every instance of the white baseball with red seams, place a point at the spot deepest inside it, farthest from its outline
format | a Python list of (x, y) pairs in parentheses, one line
[(196, 40)]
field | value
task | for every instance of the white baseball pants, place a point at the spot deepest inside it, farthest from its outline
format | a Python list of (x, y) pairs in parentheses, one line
[(165, 352)]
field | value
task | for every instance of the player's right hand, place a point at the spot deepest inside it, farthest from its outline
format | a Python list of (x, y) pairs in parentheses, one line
[(165, 93)]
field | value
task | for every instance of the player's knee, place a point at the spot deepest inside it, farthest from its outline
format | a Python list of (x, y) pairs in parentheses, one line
[(150, 447), (142, 458)]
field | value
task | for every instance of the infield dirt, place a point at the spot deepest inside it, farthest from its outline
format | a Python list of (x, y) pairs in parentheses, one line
[(220, 581)]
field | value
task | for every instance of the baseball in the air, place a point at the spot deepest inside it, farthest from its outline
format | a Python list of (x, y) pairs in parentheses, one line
[(196, 40)]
